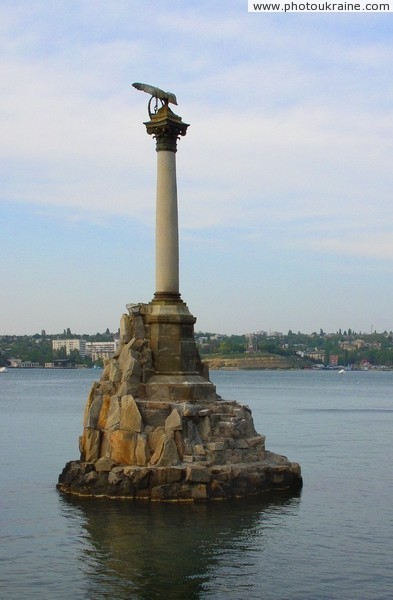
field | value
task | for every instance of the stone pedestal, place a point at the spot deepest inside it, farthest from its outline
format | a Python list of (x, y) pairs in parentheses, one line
[(179, 373), (155, 429)]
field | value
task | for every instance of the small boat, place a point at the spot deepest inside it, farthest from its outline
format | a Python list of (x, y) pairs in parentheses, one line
[(3, 370), (341, 371)]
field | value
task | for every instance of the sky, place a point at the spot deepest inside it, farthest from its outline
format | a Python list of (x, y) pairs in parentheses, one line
[(285, 177)]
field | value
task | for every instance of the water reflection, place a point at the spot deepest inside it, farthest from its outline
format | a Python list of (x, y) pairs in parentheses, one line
[(147, 551)]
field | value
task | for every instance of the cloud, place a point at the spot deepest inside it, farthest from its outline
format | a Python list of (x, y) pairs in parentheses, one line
[(286, 124)]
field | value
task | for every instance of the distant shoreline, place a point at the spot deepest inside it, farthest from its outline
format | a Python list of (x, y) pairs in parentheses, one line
[(254, 363)]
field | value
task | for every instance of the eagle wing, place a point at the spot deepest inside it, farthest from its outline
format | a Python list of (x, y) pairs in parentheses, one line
[(156, 92)]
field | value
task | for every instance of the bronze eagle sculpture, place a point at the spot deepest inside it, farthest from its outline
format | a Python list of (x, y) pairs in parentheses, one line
[(155, 92)]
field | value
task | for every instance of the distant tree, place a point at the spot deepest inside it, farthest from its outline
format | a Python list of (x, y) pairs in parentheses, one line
[(60, 353)]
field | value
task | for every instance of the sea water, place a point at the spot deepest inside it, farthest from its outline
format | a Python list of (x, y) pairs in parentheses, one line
[(333, 540)]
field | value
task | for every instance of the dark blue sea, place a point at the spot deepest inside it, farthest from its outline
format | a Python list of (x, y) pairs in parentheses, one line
[(332, 541)]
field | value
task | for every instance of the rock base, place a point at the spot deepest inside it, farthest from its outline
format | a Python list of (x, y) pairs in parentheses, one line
[(155, 428), (184, 482)]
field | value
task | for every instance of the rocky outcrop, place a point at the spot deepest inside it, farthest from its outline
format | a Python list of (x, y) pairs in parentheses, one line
[(153, 432), (180, 482), (145, 433)]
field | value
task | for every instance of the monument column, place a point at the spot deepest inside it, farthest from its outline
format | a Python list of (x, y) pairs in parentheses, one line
[(166, 127), (178, 371)]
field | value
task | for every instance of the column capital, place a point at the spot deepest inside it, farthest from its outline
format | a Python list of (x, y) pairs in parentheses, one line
[(166, 127)]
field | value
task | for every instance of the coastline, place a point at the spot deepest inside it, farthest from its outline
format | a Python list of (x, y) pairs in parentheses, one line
[(257, 362)]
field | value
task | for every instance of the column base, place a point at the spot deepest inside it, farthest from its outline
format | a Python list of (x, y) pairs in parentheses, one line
[(185, 387), (174, 296)]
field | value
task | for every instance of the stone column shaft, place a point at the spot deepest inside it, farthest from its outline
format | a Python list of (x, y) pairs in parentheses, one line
[(166, 127), (167, 236)]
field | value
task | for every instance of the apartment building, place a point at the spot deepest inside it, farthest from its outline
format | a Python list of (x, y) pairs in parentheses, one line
[(70, 345), (100, 350)]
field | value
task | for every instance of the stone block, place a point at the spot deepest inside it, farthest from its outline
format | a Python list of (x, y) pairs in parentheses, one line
[(174, 474), (158, 450), (104, 464), (123, 444), (104, 411), (204, 412), (154, 416), (152, 405), (113, 416), (142, 454), (107, 387), (114, 373), (217, 490), (199, 450), (91, 444), (153, 438), (215, 446), (158, 477), (239, 413), (180, 445), (127, 388), (166, 453), (204, 428), (147, 373), (105, 449), (173, 422), (115, 476), (90, 477), (197, 474), (199, 492), (169, 455), (158, 392), (130, 417), (188, 410), (296, 468), (137, 344), (146, 358), (164, 492), (106, 371), (191, 432), (125, 329), (138, 475), (257, 440), (127, 359), (188, 458), (241, 445), (93, 411), (139, 327), (277, 477)]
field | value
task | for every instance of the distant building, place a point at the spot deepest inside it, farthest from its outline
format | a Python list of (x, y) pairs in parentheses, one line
[(347, 346), (100, 350), (61, 363), (18, 363), (333, 360), (70, 345), (316, 355), (15, 363)]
